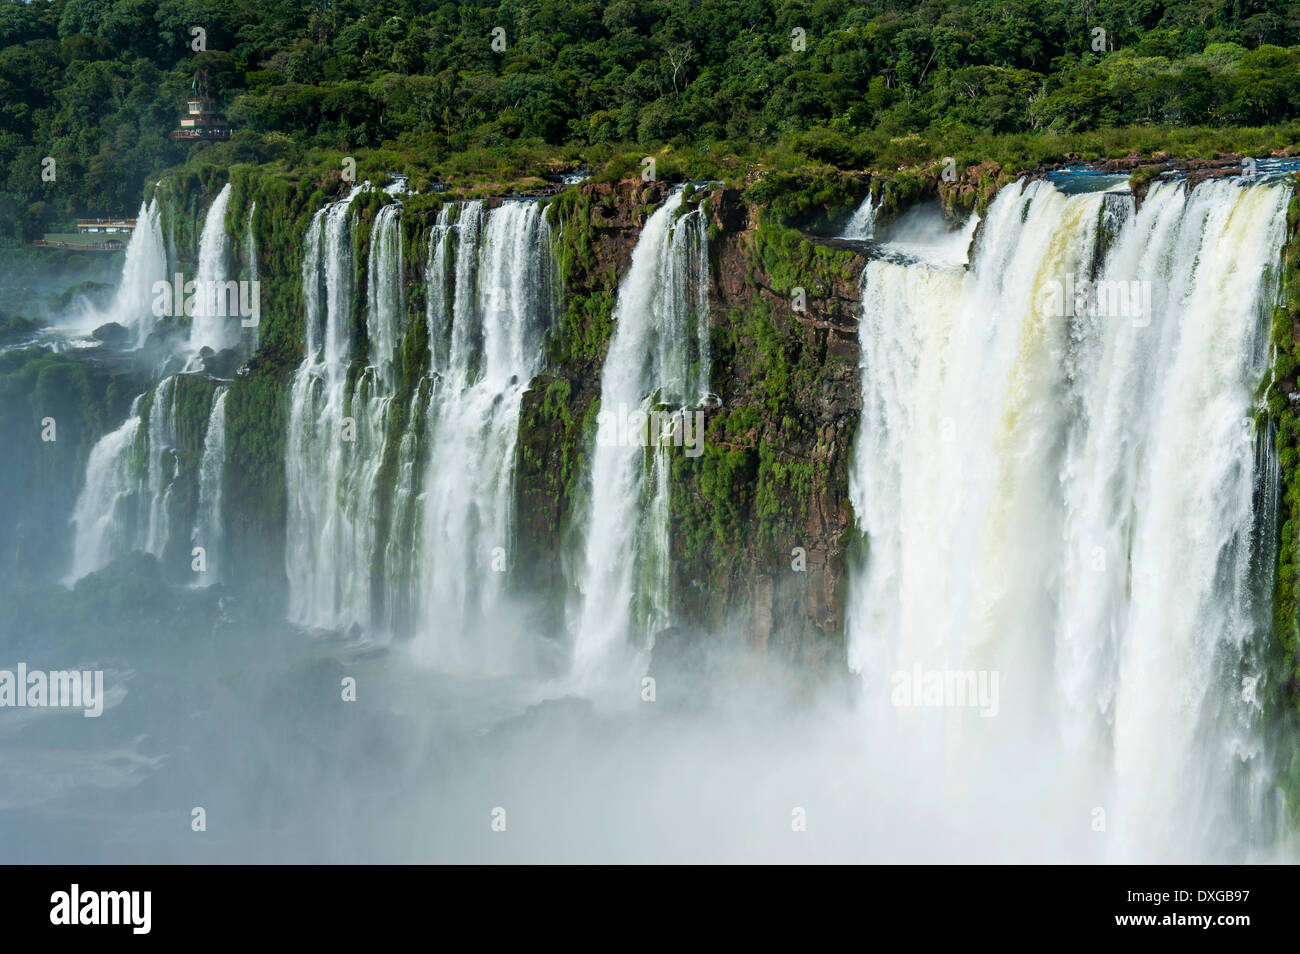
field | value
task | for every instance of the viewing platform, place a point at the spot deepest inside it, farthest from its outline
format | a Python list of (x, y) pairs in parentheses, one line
[(92, 235), (83, 242)]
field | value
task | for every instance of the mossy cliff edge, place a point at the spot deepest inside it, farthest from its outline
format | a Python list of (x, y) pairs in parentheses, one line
[(1281, 422), (759, 517), (761, 525), (762, 530)]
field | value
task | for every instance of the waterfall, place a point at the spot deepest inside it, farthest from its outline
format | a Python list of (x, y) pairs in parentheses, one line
[(160, 468), (401, 556), (386, 302), (145, 264), (436, 561), (328, 586), (862, 224), (103, 516), (215, 323), (372, 396), (1053, 484), (486, 343), (657, 360), (208, 526), (127, 501)]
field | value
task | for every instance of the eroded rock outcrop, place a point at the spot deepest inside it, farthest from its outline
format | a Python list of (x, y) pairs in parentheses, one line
[(760, 519)]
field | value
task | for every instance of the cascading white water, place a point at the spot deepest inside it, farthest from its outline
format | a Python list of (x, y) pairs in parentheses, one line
[(103, 516), (386, 300), (327, 584), (1054, 487), (401, 556), (371, 400), (125, 503), (160, 468), (862, 224), (486, 346), (214, 324), (145, 264), (658, 358), (209, 530), (490, 299)]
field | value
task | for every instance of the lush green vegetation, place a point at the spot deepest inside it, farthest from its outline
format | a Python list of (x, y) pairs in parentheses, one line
[(39, 483), (503, 91), (765, 457), (1284, 418), (257, 422), (789, 261), (586, 316)]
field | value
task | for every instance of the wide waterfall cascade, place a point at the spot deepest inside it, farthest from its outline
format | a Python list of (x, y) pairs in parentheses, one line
[(401, 553), (370, 403), (1055, 490), (102, 516), (127, 502), (145, 264), (214, 323), (491, 300), (209, 530), (658, 358), (431, 559), (127, 499), (329, 437)]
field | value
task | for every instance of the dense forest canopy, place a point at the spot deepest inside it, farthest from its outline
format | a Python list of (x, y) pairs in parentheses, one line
[(99, 84)]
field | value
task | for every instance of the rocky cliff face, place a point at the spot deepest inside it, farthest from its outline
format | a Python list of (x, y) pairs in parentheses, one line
[(760, 519), (598, 227)]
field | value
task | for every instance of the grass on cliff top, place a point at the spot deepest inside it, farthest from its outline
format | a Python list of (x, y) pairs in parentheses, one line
[(529, 164)]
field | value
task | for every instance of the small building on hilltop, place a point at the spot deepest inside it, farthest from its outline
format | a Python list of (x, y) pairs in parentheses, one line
[(202, 121)]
